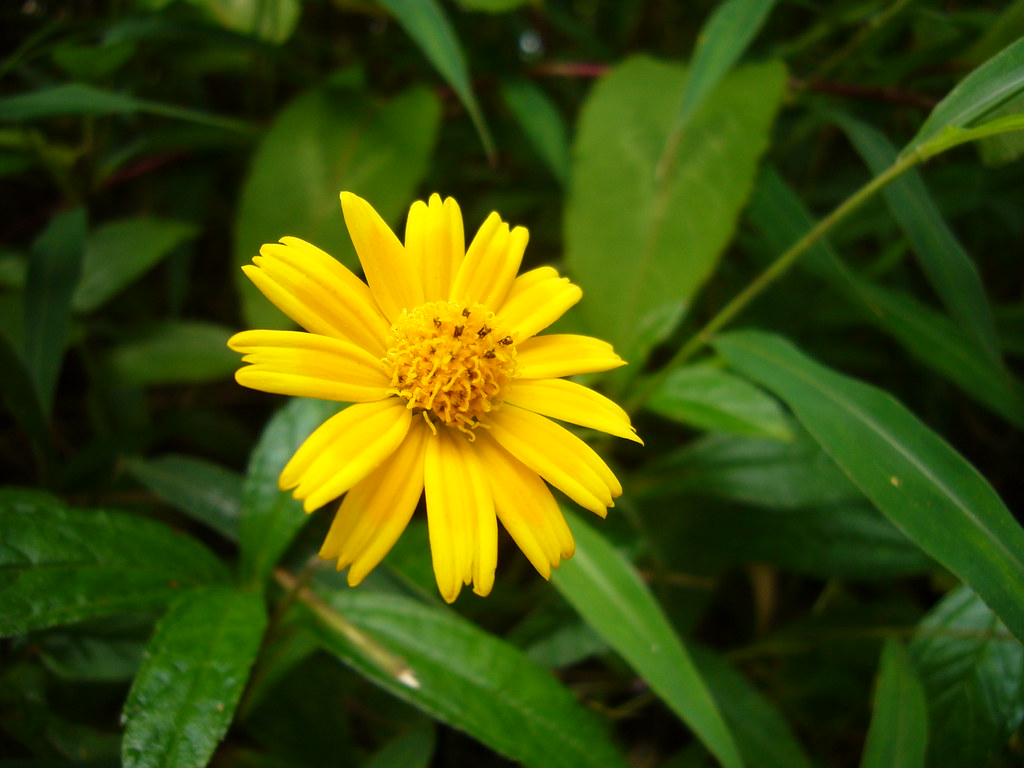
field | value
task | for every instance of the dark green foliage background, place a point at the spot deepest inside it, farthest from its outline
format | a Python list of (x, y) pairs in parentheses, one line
[(815, 561)]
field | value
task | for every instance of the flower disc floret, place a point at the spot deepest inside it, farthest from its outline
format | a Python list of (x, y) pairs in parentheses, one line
[(450, 362)]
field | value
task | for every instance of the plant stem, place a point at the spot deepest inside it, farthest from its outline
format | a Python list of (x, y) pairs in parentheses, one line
[(774, 270)]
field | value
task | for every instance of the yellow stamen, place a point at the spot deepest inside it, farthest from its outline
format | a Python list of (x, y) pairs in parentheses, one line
[(451, 362)]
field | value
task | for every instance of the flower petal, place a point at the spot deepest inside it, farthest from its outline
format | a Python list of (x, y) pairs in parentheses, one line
[(460, 516), (435, 241), (572, 402), (319, 293), (564, 354), (537, 299), (345, 449), (393, 281), (492, 261), (526, 507), (557, 455), (309, 365), (375, 512)]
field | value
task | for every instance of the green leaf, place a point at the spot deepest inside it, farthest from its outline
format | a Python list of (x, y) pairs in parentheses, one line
[(206, 491), (707, 397), (721, 42), (196, 666), (82, 99), (325, 141), (491, 6), (412, 748), (949, 268), (271, 517), (60, 565), (762, 735), (471, 680), (273, 21), (639, 247), (972, 670), (52, 275), (927, 489), (22, 400), (796, 510), (119, 252), (607, 592), (927, 335), (175, 352), (426, 23), (541, 122), (898, 735), (976, 97)]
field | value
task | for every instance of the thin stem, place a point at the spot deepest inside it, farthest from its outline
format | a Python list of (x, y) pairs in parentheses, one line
[(740, 301)]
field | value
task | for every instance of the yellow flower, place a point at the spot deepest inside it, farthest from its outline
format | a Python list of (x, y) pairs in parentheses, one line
[(452, 386)]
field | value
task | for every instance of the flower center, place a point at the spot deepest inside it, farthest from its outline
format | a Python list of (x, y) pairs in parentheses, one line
[(450, 361)]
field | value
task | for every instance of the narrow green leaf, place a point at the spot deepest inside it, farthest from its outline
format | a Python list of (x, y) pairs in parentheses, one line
[(22, 400), (763, 736), (949, 268), (206, 491), (412, 748), (721, 42), (271, 517), (541, 122), (328, 140), (175, 352), (83, 99), (471, 680), (195, 668), (60, 565), (640, 248), (607, 592), (426, 23), (972, 670), (927, 335), (898, 736), (911, 474), (119, 252), (52, 275), (976, 97), (707, 397)]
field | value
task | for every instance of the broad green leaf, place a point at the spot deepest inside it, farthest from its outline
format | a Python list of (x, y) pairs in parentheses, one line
[(911, 474), (707, 397), (471, 680), (204, 490), (607, 592), (972, 670), (975, 98), (93, 62), (948, 266), (541, 122), (898, 736), (640, 247), (927, 335), (426, 23), (193, 674), (271, 517), (53, 272), (105, 650), (60, 565), (328, 140), (762, 735), (82, 99), (721, 42), (273, 21), (119, 252), (175, 352)]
